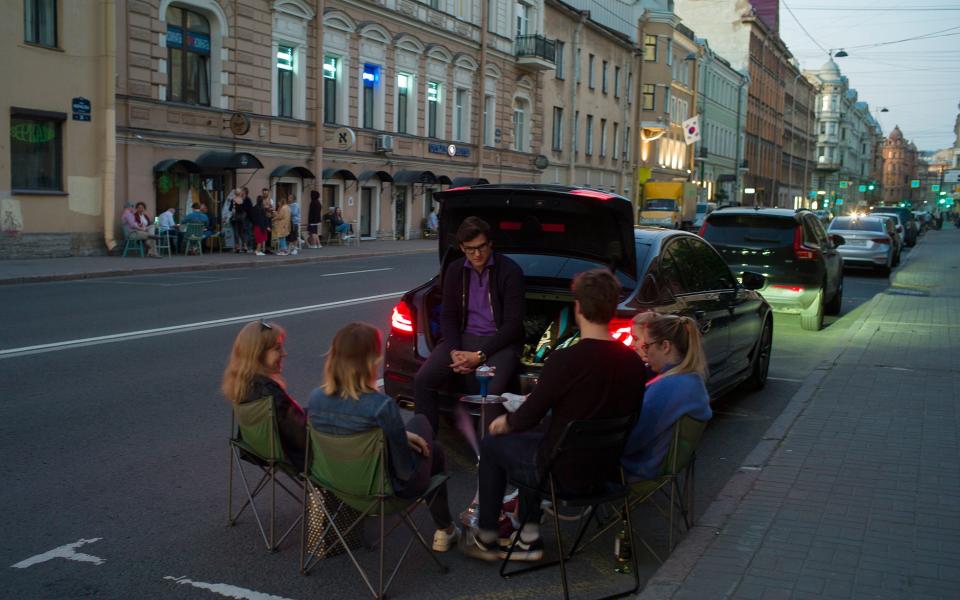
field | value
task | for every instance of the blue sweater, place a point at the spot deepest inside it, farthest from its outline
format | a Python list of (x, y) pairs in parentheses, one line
[(665, 401)]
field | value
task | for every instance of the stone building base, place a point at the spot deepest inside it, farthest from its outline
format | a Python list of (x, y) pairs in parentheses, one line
[(50, 245)]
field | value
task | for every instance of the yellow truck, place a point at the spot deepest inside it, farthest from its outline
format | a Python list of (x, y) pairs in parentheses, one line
[(671, 204)]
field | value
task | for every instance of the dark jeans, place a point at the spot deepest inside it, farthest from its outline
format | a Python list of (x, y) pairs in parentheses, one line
[(427, 468), (504, 458), (436, 372)]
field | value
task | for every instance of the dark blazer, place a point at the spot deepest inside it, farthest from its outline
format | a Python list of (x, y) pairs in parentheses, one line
[(506, 297)]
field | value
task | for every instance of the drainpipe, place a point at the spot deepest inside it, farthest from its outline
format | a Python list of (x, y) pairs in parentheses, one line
[(484, 25), (572, 166), (637, 107), (318, 112), (737, 182), (625, 114), (108, 173)]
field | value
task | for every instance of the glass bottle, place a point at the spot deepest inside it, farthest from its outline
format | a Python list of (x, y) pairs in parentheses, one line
[(622, 550)]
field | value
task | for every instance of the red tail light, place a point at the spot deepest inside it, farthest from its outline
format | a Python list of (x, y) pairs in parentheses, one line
[(703, 229), (621, 330), (790, 288), (595, 194), (880, 240), (402, 320), (800, 251)]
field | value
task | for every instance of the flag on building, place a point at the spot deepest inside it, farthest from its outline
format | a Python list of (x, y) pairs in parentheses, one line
[(691, 130)]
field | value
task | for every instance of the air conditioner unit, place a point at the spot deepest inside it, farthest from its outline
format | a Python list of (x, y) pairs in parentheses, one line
[(384, 143)]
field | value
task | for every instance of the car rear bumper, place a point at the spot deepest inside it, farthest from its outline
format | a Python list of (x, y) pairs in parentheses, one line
[(865, 256), (790, 301)]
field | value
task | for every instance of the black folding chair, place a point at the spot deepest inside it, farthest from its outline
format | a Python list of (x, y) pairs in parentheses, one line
[(606, 437)]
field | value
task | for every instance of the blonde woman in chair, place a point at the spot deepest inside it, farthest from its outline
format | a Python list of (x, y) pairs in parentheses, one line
[(673, 349)]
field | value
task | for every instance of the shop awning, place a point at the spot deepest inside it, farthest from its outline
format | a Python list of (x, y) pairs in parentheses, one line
[(458, 181), (228, 160), (166, 165), (345, 174), (382, 175), (411, 176), (295, 171), (444, 180)]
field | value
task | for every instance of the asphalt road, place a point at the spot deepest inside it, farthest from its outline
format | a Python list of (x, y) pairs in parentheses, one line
[(122, 439)]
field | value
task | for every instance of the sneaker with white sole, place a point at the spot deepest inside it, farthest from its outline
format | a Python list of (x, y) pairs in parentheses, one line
[(475, 548), (525, 551), (443, 541)]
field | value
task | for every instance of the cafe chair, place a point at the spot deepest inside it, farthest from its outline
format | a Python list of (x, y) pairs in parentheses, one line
[(131, 244), (604, 437), (164, 243), (255, 447), (193, 238), (353, 470), (672, 492)]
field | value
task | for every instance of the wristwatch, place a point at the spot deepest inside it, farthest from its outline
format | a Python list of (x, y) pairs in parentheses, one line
[(481, 356)]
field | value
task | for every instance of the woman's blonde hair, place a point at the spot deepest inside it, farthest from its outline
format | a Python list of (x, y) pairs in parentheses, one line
[(352, 361), (246, 357), (683, 334)]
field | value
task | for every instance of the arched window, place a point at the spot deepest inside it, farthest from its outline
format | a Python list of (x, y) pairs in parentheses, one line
[(188, 47)]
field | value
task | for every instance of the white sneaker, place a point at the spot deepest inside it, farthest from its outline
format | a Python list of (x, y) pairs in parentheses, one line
[(260, 254), (294, 252), (443, 541)]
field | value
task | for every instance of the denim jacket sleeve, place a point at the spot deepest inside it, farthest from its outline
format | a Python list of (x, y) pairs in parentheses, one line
[(402, 461)]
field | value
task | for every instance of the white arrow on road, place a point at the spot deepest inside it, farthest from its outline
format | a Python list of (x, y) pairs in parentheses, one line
[(225, 589), (67, 551)]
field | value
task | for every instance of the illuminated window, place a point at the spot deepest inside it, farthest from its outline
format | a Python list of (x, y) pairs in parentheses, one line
[(650, 48), (371, 83), (331, 76), (433, 108), (36, 151), (285, 81), (403, 102)]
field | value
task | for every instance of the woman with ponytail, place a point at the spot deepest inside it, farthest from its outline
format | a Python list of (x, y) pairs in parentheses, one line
[(672, 348)]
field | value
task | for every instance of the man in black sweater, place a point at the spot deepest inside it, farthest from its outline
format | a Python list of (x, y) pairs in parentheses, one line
[(481, 319), (598, 378)]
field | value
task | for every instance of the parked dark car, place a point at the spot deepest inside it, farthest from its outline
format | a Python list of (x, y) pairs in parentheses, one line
[(803, 270), (911, 231), (555, 232)]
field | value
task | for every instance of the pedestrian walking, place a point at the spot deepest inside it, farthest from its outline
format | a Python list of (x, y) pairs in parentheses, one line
[(261, 226), (314, 219)]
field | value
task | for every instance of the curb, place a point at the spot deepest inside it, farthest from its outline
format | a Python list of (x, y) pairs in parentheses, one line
[(251, 264), (668, 579)]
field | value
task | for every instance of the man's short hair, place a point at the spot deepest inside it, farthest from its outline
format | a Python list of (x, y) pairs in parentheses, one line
[(195, 206), (598, 292), (470, 228)]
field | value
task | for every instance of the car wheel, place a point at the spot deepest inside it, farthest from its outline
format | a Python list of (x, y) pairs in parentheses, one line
[(812, 318), (761, 359), (836, 303)]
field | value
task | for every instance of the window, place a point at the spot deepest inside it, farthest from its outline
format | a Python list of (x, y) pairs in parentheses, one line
[(371, 80), (460, 115), (36, 150), (435, 4), (589, 135), (590, 62), (670, 53), (603, 137), (523, 19), (616, 141), (40, 22), (403, 102), (558, 69), (577, 68), (285, 81), (519, 124), (188, 52), (650, 48), (649, 93), (629, 88), (488, 120), (603, 78), (330, 76), (616, 82), (433, 108), (557, 128)]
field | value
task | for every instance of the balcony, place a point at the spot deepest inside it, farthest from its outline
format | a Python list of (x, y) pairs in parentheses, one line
[(827, 165), (535, 52)]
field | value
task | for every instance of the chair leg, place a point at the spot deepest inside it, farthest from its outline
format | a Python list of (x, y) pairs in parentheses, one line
[(230, 520), (633, 547), (273, 508), (556, 524), (382, 550)]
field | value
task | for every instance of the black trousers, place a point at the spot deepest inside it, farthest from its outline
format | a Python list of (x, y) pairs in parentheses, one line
[(436, 372), (427, 468)]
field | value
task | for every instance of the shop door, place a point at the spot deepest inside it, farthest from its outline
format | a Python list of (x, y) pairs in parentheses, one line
[(284, 190), (400, 221), (366, 211)]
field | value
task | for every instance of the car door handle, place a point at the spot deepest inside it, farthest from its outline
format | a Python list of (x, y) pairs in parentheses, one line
[(703, 323)]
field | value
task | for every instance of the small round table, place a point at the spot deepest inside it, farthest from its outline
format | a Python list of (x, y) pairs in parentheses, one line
[(469, 516)]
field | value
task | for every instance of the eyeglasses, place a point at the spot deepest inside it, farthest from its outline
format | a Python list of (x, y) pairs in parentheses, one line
[(645, 346), (474, 249), (265, 325)]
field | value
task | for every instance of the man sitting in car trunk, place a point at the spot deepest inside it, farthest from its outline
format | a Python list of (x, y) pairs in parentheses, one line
[(481, 319)]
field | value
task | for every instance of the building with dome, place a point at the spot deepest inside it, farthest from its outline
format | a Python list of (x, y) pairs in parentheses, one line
[(899, 168), (847, 140)]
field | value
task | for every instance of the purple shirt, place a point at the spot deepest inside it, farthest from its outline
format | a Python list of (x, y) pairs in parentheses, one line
[(479, 312)]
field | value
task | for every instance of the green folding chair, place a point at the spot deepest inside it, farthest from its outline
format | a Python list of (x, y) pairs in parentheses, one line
[(354, 469), (673, 490), (193, 237), (131, 245), (255, 442)]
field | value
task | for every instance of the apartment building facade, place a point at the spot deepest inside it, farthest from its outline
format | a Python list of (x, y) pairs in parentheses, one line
[(900, 168), (57, 109), (799, 142)]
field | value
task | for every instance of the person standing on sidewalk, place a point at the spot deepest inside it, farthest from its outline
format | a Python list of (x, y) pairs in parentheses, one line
[(261, 226), (314, 219), (672, 347), (294, 237), (281, 227)]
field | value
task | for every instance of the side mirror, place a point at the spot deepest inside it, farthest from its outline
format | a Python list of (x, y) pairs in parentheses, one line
[(837, 239), (752, 281)]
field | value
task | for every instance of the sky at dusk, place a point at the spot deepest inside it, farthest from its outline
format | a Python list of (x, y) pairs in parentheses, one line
[(918, 81)]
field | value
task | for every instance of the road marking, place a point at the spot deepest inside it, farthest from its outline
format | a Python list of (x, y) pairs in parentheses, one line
[(120, 337), (67, 551), (355, 272), (225, 589), (787, 379)]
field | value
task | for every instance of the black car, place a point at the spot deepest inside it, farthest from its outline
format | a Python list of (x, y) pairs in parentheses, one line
[(555, 232), (911, 230), (803, 270)]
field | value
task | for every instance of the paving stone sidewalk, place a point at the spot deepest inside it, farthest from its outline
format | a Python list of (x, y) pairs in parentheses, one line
[(84, 267), (860, 496)]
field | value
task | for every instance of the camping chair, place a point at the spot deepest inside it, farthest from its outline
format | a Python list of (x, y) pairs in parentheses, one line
[(193, 238), (675, 485), (131, 244), (256, 441), (602, 435), (353, 469)]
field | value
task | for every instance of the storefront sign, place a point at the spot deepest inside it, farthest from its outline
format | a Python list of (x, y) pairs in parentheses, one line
[(344, 138), (81, 109), (445, 149)]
